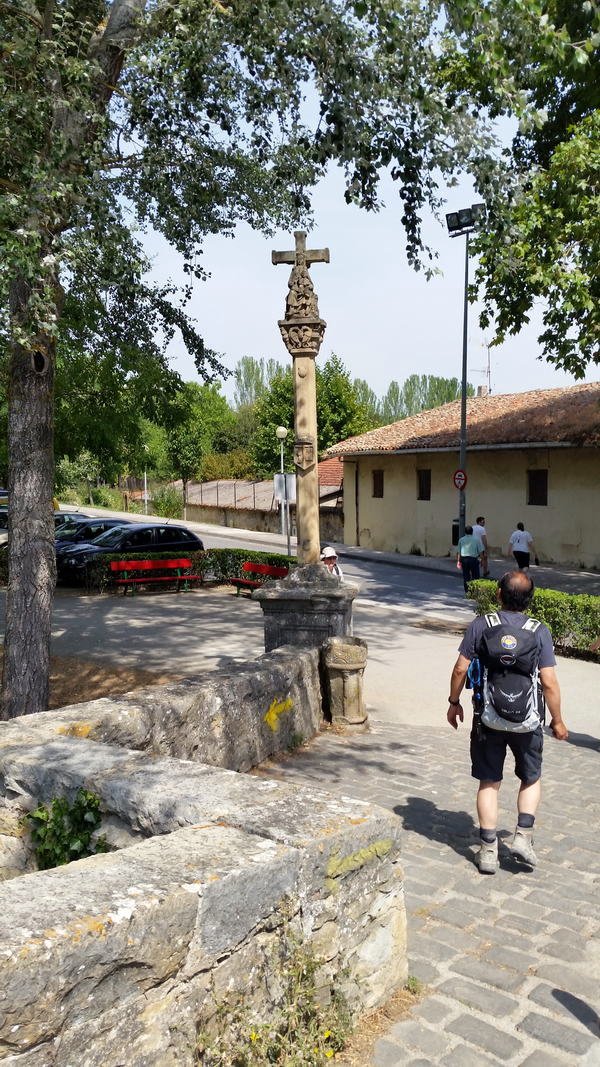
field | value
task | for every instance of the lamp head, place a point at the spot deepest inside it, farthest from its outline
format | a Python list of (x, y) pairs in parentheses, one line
[(281, 433), (465, 220)]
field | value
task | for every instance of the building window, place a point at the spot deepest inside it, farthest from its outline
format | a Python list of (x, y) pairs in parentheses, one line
[(377, 483), (537, 488), (423, 485)]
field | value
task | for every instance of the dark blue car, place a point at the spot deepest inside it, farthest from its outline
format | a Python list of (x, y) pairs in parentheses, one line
[(149, 539)]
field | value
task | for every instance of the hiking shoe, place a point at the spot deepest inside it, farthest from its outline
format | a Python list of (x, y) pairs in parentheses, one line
[(486, 859), (522, 847)]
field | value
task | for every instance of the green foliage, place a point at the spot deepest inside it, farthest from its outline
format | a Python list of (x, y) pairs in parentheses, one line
[(419, 392), (339, 414), (213, 564), (414, 985), (102, 496), (369, 402), (252, 378), (222, 564), (551, 253), (74, 497), (167, 502), (63, 832), (572, 618), (303, 1031), (541, 243), (219, 466), (77, 473)]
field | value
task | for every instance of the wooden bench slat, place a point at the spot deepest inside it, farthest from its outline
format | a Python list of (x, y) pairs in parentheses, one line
[(146, 569)]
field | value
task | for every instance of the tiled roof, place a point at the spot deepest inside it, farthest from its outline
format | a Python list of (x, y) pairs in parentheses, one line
[(331, 472), (554, 416), (242, 494)]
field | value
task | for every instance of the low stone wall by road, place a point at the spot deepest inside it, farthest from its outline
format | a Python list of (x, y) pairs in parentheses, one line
[(236, 719), (121, 958)]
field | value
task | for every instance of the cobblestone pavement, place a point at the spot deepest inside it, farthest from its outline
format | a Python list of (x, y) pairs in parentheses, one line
[(511, 961)]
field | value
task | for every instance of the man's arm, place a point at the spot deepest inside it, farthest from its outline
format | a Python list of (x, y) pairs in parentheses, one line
[(457, 682), (551, 690)]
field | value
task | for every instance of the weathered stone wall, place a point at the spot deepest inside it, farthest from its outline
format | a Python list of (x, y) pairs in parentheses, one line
[(120, 958), (331, 520), (235, 720)]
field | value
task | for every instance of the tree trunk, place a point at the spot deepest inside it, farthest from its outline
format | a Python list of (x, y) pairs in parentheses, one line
[(184, 487), (31, 555)]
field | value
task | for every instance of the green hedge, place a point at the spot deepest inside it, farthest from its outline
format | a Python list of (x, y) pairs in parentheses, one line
[(214, 564), (572, 618)]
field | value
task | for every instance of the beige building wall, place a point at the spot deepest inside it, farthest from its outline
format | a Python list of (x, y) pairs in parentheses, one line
[(566, 530)]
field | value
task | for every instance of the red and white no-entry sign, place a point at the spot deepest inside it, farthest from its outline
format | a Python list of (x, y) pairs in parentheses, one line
[(460, 479)]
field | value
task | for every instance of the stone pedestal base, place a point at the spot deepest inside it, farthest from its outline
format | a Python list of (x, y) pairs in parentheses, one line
[(345, 659), (306, 608)]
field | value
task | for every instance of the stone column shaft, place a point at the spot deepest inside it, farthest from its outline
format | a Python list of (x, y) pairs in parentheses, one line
[(307, 485)]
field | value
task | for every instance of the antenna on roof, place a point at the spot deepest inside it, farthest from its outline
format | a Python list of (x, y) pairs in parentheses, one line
[(487, 370)]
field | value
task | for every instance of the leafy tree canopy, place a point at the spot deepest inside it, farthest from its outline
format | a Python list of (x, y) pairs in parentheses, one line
[(339, 414), (252, 378), (541, 241)]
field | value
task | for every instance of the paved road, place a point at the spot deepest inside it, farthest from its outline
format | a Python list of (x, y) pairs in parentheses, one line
[(511, 963)]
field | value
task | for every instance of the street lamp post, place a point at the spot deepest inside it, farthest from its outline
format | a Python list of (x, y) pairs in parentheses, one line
[(281, 433), (461, 223)]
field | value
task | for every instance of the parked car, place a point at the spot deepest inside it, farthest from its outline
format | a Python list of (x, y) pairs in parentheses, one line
[(68, 518), (87, 530), (145, 538), (63, 520)]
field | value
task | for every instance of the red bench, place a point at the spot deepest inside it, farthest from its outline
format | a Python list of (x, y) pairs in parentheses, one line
[(144, 571), (265, 570)]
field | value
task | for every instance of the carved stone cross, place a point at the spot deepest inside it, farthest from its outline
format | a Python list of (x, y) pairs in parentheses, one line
[(302, 331), (301, 256)]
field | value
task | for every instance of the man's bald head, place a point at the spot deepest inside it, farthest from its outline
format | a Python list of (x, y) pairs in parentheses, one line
[(516, 590)]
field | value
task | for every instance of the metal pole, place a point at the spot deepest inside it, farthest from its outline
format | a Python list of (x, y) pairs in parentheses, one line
[(287, 515), (462, 500), (145, 492), (282, 502)]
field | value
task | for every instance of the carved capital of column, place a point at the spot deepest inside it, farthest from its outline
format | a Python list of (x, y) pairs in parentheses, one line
[(302, 337)]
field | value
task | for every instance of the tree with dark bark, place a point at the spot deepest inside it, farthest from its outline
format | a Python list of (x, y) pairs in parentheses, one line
[(189, 115)]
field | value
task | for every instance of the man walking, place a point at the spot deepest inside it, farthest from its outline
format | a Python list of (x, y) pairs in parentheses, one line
[(507, 654), (521, 545), (480, 531), (468, 551)]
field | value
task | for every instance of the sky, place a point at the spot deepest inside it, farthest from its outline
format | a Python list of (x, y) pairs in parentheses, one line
[(383, 320)]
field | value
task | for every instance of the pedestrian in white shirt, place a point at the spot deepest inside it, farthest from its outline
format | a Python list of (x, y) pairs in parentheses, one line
[(521, 545), (480, 532)]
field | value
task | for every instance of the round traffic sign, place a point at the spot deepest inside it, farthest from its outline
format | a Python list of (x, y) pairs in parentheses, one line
[(460, 479)]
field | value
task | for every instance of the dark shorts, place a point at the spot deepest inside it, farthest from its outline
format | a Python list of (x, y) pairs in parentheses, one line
[(488, 752), (522, 559)]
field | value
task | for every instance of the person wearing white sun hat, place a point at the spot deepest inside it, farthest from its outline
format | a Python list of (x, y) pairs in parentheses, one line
[(329, 558)]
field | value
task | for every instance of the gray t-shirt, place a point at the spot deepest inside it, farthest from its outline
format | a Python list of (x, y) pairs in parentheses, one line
[(469, 646)]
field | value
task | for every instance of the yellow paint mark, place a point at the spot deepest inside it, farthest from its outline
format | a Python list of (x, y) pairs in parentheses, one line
[(276, 710), (339, 866), (76, 729), (92, 925)]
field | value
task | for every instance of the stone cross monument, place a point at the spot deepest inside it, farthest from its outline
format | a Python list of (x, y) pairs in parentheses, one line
[(302, 331)]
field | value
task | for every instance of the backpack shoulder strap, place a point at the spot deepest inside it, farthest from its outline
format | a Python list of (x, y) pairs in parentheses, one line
[(493, 619), (531, 624)]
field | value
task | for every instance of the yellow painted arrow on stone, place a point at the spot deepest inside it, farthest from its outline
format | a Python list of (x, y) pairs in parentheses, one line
[(276, 709)]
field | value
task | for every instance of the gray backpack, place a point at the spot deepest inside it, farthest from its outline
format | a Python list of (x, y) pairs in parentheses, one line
[(511, 696)]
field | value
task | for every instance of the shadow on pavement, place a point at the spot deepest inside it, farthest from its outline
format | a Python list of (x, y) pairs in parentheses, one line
[(453, 828), (579, 1009), (583, 741)]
